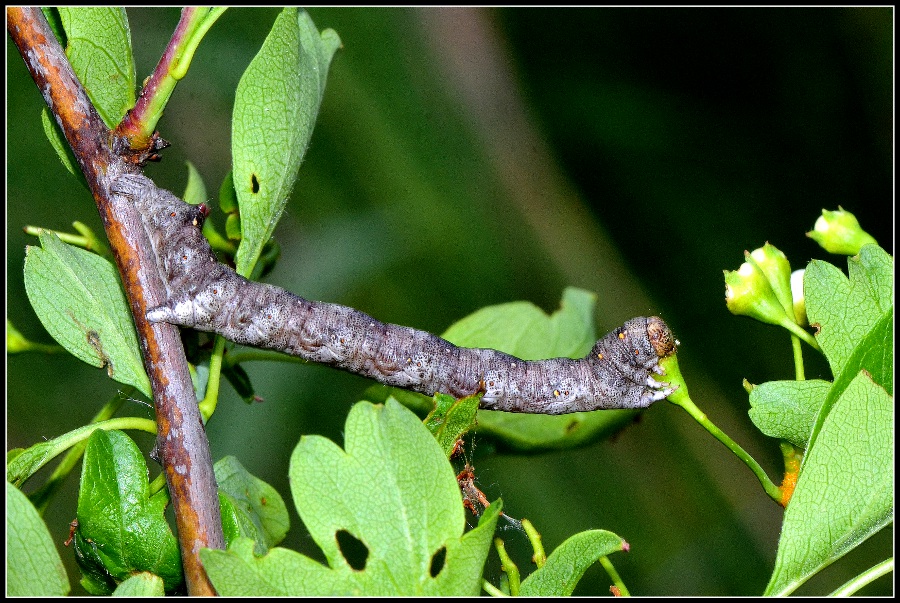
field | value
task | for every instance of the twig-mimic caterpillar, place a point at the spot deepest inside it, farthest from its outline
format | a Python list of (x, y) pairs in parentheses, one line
[(209, 296)]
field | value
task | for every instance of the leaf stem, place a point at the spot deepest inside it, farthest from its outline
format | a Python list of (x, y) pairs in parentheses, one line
[(681, 398), (540, 557), (28, 462), (157, 484), (507, 565), (209, 402), (614, 576), (797, 330), (798, 358), (867, 577), (42, 496), (491, 589)]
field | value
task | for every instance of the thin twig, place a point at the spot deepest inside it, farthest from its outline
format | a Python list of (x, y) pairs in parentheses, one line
[(182, 444)]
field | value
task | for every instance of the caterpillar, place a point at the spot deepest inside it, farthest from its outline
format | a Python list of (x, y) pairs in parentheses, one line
[(206, 295)]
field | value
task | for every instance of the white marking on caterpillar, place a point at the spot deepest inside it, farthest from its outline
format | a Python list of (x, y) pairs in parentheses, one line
[(209, 296)]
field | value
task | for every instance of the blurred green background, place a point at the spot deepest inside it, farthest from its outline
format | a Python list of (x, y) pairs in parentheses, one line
[(466, 157)]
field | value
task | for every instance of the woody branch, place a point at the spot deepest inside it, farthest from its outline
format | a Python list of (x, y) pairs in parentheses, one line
[(102, 157)]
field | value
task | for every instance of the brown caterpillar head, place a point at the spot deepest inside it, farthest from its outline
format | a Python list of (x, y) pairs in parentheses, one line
[(660, 337)]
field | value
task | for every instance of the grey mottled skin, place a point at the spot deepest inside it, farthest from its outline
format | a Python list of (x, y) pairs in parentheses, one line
[(209, 296)]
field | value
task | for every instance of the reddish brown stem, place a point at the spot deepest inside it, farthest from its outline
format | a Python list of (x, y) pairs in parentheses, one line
[(182, 444), (135, 127)]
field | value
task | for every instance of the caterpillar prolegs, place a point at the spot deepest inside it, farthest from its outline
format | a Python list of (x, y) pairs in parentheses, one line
[(209, 296)]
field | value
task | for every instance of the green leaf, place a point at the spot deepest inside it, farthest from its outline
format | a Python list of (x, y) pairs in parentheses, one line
[(394, 491), (451, 419), (855, 318), (227, 195), (233, 227), (144, 584), (61, 146), (845, 490), (33, 565), (787, 409), (524, 330), (256, 510), (77, 296), (195, 189), (275, 109), (845, 309), (121, 528), (240, 381), (99, 49), (566, 565)]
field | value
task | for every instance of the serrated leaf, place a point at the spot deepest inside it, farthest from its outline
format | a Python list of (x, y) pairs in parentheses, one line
[(845, 490), (77, 297), (394, 490), (33, 565), (845, 308), (99, 49), (238, 572), (121, 528), (787, 409), (526, 331), (275, 109), (451, 419), (257, 511), (144, 584), (855, 316), (195, 189), (875, 267), (566, 565)]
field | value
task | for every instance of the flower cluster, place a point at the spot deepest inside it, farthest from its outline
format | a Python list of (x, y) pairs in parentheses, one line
[(761, 287)]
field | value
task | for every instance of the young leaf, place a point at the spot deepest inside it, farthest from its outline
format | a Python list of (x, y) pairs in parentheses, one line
[(393, 492), (256, 510), (275, 108), (195, 189), (77, 296), (33, 565), (121, 528), (566, 565), (451, 419), (845, 490), (99, 49)]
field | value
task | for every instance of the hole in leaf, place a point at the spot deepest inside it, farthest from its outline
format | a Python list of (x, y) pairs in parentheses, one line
[(437, 561), (353, 549), (254, 183)]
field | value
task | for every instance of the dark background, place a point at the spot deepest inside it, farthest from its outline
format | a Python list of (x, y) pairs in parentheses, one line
[(469, 157)]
